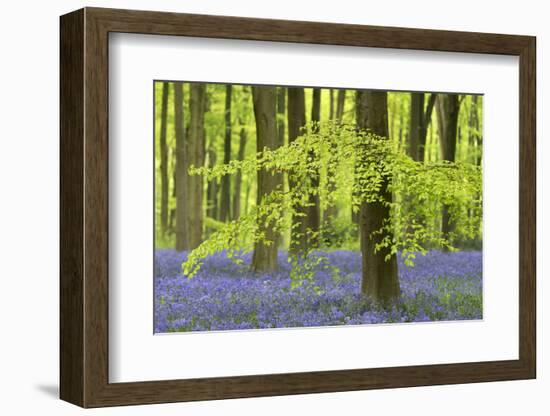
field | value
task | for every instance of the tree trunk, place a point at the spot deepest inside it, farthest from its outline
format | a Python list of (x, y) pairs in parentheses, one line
[(331, 212), (360, 120), (225, 203), (379, 276), (314, 209), (340, 103), (419, 122), (423, 134), (331, 105), (164, 160), (447, 116), (416, 124), (281, 107), (296, 121), (238, 176), (265, 108), (195, 157), (474, 137), (212, 189), (182, 177)]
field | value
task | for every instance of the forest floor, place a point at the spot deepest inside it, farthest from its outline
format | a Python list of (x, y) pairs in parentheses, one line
[(226, 296)]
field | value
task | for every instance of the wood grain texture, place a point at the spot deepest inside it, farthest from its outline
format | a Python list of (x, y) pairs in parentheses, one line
[(71, 208), (84, 207)]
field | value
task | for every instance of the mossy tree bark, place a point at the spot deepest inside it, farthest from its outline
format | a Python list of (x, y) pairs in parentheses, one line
[(379, 275)]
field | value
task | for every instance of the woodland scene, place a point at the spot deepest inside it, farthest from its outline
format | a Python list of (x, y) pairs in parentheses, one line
[(281, 207)]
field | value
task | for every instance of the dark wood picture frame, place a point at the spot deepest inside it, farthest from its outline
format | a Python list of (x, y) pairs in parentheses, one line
[(84, 207)]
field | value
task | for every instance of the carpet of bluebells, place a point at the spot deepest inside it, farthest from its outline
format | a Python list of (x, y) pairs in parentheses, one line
[(224, 295)]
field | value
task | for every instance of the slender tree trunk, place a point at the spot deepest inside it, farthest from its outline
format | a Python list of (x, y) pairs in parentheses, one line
[(416, 123), (419, 122), (225, 202), (296, 121), (360, 121), (331, 212), (314, 209), (265, 108), (423, 132), (379, 276), (340, 103), (238, 176), (164, 160), (474, 136), (212, 189), (247, 197), (172, 216), (331, 105), (195, 155), (447, 116), (182, 177), (281, 109)]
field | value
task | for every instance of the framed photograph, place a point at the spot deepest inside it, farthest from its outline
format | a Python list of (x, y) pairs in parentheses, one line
[(256, 207)]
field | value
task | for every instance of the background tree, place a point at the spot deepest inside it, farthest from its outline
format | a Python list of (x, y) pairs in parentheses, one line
[(195, 144), (340, 103), (379, 267), (182, 176), (264, 257), (238, 176), (212, 188), (225, 200), (296, 122), (475, 139), (314, 209), (419, 122), (164, 160), (331, 211), (448, 106)]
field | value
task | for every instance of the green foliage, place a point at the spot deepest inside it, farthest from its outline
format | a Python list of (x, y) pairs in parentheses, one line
[(362, 165)]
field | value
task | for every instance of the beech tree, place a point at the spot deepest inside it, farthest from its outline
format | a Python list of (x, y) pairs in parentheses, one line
[(243, 135), (212, 189), (419, 122), (190, 152), (164, 160), (448, 106), (182, 176), (296, 122), (225, 199), (265, 112), (379, 265)]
